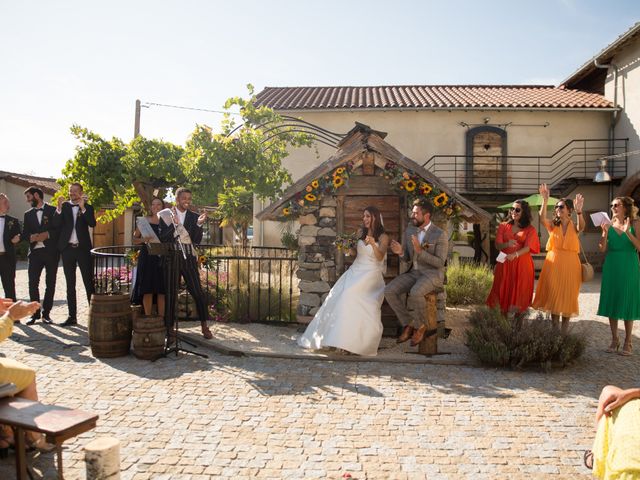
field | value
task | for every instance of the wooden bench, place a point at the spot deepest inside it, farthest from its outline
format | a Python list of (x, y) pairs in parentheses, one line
[(56, 423)]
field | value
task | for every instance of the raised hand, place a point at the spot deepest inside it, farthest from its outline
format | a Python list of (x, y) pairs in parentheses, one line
[(578, 202), (396, 248), (369, 240), (626, 225), (61, 200), (202, 218), (544, 191), (21, 309), (82, 202)]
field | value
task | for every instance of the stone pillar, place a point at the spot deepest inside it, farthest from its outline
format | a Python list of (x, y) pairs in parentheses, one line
[(102, 458), (316, 257)]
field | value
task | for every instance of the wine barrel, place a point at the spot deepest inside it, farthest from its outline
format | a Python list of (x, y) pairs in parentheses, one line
[(148, 337), (110, 325)]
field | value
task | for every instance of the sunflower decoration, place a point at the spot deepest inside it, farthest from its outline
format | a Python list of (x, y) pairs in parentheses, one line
[(338, 182), (441, 200), (315, 184), (310, 197), (425, 188), (131, 257), (339, 171), (409, 185), (286, 211)]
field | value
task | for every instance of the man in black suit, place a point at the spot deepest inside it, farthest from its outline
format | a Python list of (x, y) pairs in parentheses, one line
[(192, 223), (73, 219), (38, 230), (9, 236)]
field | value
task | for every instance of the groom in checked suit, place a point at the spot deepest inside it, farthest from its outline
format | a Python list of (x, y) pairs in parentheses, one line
[(426, 247), (38, 230), (73, 219)]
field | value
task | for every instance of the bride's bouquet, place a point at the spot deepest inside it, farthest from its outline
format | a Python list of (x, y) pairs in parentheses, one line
[(346, 241)]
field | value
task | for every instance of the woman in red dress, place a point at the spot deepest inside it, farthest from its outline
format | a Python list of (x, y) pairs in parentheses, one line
[(513, 279)]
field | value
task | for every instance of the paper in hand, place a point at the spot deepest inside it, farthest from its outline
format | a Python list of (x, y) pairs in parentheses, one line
[(146, 231), (501, 257), (599, 218)]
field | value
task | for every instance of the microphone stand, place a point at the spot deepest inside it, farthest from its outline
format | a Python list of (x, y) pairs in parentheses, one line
[(172, 289)]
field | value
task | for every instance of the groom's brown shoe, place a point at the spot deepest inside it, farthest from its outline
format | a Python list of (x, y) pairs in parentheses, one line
[(418, 335), (405, 335)]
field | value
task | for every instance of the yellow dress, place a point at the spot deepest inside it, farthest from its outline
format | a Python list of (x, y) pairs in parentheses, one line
[(561, 276), (12, 371), (616, 448)]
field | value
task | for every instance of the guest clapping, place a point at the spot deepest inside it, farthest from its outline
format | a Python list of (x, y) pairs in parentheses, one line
[(619, 292), (513, 279), (561, 276)]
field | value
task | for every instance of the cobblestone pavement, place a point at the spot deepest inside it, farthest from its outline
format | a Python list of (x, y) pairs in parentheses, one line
[(229, 417)]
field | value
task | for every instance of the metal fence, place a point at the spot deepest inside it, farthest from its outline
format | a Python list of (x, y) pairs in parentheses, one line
[(241, 284)]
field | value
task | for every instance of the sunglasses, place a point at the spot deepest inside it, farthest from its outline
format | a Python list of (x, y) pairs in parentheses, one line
[(559, 207), (517, 210), (616, 205)]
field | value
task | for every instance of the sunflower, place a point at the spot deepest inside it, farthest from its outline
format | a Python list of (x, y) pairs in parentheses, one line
[(315, 184), (310, 197), (286, 211), (425, 188), (339, 171), (441, 200), (409, 185), (202, 259), (338, 182)]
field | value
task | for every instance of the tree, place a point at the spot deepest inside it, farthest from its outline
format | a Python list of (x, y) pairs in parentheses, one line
[(244, 159), (119, 174)]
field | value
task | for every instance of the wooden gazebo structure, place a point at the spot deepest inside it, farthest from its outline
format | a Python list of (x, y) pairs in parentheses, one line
[(329, 201)]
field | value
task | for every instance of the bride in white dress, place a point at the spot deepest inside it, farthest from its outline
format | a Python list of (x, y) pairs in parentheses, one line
[(350, 317)]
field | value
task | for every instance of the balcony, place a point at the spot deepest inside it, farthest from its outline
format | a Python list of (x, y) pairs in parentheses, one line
[(519, 175)]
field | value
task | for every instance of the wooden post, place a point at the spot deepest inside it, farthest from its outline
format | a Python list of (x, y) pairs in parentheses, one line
[(102, 458), (429, 344)]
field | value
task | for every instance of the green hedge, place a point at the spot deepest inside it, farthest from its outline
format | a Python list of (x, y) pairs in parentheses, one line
[(468, 283)]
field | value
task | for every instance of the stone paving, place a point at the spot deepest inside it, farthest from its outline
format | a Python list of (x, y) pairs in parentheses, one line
[(245, 417)]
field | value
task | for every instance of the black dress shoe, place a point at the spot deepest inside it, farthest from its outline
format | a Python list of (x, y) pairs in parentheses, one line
[(46, 319), (32, 321), (69, 322)]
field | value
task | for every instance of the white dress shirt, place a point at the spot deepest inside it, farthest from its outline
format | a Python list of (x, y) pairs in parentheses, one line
[(181, 216), (76, 211), (39, 214)]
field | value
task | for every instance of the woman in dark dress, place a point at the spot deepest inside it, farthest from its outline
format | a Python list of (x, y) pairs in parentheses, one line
[(149, 279)]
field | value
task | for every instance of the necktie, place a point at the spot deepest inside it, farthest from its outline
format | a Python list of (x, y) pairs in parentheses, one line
[(39, 209)]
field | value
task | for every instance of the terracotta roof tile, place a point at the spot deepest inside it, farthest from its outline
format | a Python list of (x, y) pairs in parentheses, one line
[(430, 97), (47, 184)]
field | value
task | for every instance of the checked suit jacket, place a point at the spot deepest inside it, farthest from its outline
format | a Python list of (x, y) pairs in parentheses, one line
[(435, 248)]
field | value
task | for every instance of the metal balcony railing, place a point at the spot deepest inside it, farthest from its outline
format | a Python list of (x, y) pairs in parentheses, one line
[(522, 174)]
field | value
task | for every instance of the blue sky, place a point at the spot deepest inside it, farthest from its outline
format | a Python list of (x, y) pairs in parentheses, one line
[(85, 62)]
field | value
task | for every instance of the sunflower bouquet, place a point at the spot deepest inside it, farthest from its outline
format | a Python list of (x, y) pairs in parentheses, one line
[(346, 241), (131, 257)]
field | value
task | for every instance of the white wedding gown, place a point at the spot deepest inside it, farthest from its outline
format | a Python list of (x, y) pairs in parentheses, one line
[(350, 316)]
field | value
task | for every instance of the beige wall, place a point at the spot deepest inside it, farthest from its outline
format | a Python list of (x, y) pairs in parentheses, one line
[(17, 199), (628, 126), (421, 134)]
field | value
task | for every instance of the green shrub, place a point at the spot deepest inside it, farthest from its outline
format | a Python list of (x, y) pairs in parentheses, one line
[(503, 341), (468, 283)]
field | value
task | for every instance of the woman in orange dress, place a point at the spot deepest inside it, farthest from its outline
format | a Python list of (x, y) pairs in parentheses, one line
[(513, 279), (561, 276)]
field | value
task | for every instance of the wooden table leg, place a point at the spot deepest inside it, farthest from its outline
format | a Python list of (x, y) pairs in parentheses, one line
[(59, 453), (21, 455)]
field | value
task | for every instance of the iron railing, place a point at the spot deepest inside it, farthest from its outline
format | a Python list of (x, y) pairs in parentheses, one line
[(522, 174), (241, 284)]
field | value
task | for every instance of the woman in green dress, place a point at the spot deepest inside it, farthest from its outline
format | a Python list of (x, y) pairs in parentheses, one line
[(620, 289)]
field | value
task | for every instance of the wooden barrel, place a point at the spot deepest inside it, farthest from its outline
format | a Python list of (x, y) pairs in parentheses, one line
[(148, 337), (110, 325)]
